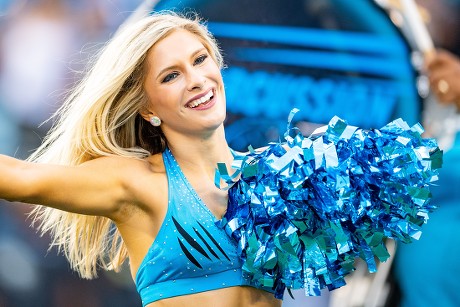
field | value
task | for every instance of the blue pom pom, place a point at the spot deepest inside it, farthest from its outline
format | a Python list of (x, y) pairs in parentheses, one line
[(302, 211)]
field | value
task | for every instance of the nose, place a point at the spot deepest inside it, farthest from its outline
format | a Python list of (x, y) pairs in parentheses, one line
[(196, 80)]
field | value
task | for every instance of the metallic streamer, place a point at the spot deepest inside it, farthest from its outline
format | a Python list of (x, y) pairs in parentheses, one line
[(303, 210)]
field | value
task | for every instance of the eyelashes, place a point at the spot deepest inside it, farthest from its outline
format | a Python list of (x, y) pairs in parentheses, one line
[(173, 75), (169, 77), (200, 59)]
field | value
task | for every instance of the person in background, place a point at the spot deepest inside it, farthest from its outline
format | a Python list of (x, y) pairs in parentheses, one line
[(426, 273)]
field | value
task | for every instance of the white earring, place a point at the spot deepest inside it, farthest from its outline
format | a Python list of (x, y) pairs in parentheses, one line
[(155, 121)]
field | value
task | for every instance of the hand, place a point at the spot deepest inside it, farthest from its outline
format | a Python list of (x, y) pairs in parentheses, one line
[(443, 70)]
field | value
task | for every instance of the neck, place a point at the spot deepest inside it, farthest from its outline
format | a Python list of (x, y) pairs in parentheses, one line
[(201, 153)]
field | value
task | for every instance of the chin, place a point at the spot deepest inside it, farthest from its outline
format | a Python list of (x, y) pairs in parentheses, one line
[(215, 123)]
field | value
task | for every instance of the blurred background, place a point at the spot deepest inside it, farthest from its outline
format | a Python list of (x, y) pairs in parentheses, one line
[(352, 59)]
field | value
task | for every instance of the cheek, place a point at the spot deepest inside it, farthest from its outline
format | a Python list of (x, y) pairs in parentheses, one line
[(165, 98), (217, 78)]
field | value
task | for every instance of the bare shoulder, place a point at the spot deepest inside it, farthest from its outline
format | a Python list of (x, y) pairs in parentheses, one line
[(128, 167), (145, 179), (116, 162)]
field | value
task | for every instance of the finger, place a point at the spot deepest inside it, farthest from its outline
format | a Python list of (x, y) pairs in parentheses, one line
[(438, 74), (441, 58), (447, 90)]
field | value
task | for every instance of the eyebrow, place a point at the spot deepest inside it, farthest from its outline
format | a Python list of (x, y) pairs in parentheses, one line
[(175, 66)]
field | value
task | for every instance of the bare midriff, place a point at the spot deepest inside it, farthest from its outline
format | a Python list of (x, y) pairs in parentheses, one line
[(226, 297)]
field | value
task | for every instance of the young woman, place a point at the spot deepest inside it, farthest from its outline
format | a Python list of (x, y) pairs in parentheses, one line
[(127, 171)]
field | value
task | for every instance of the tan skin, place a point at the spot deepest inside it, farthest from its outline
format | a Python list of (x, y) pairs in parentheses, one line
[(133, 193), (445, 66)]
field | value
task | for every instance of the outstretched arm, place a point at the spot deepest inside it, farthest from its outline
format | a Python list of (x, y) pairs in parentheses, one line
[(95, 187)]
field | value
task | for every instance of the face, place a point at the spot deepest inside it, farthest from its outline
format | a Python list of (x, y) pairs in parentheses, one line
[(184, 85)]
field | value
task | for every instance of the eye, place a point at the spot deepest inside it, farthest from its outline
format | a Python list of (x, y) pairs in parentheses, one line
[(200, 59), (170, 77)]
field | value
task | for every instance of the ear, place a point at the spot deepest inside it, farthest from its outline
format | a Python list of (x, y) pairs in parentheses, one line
[(146, 113)]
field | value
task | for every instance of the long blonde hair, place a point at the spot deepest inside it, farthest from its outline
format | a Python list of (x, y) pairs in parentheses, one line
[(101, 118)]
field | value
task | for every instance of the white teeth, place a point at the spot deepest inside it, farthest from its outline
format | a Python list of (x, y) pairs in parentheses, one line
[(201, 100)]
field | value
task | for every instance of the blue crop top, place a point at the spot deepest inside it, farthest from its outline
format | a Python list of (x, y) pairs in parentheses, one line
[(191, 253)]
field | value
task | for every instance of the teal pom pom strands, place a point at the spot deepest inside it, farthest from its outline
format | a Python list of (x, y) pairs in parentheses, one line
[(302, 211)]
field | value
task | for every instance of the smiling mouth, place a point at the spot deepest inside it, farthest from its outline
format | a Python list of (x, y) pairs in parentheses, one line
[(201, 101)]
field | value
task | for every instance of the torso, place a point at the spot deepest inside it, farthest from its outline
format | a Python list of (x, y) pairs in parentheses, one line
[(140, 225)]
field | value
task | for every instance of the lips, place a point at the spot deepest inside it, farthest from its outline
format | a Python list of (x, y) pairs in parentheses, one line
[(200, 100)]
